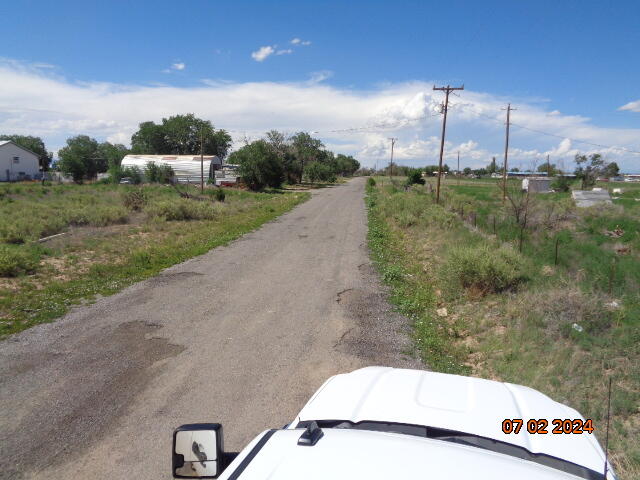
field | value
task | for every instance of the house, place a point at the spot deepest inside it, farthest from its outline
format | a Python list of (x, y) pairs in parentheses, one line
[(18, 163), (187, 168)]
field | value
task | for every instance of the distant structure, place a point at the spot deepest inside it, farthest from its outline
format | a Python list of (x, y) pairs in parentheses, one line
[(589, 198), (18, 163), (185, 167), (536, 185)]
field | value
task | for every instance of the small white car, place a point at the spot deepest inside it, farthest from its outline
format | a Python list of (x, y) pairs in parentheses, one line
[(385, 423)]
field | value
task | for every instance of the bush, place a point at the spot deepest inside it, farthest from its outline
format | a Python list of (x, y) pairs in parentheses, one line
[(561, 184), (483, 270), (158, 173), (98, 216), (182, 209), (15, 261), (414, 176), (371, 182), (135, 200), (319, 172), (219, 194)]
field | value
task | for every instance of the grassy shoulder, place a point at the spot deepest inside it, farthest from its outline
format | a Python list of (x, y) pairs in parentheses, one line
[(113, 236), (483, 308)]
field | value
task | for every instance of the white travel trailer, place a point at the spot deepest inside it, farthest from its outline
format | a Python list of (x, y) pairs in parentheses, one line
[(187, 168)]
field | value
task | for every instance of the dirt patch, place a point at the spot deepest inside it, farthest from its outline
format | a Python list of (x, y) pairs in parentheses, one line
[(83, 407)]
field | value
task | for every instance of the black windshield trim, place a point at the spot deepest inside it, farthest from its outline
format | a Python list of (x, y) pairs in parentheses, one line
[(251, 455), (443, 434)]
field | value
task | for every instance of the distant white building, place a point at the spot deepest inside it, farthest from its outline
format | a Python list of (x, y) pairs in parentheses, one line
[(185, 167), (17, 163)]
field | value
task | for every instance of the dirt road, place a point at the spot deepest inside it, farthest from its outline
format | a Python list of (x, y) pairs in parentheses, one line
[(242, 335)]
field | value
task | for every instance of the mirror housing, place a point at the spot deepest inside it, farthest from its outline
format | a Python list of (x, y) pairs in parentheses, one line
[(198, 451)]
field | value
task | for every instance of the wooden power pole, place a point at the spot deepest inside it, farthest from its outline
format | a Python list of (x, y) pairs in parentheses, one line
[(506, 154), (445, 107), (393, 142), (458, 171), (201, 161)]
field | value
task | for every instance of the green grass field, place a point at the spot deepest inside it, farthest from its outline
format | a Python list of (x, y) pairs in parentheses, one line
[(481, 307), (114, 235)]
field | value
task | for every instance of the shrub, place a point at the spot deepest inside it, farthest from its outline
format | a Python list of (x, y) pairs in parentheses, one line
[(371, 182), (319, 172), (15, 261), (482, 270), (182, 209), (219, 194), (561, 184), (98, 216), (414, 176), (158, 173), (135, 199)]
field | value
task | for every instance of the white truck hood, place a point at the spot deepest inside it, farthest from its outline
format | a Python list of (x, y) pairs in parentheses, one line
[(452, 402)]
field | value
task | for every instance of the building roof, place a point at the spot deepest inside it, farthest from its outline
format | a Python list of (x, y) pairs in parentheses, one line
[(5, 142)]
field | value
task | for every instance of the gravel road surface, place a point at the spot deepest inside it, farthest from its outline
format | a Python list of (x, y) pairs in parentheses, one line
[(242, 335)]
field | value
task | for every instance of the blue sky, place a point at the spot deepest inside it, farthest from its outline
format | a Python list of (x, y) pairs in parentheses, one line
[(102, 67)]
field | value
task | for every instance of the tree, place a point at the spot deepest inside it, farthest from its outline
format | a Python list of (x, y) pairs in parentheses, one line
[(414, 176), (431, 169), (260, 166), (346, 165), (319, 172), (466, 171), (589, 169), (111, 154), (492, 166), (611, 170), (306, 148), (180, 135), (551, 169), (35, 144), (79, 158)]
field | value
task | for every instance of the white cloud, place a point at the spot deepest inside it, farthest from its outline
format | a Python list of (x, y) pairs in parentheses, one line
[(175, 67), (285, 51), (358, 121), (297, 41), (320, 76), (262, 53), (631, 106)]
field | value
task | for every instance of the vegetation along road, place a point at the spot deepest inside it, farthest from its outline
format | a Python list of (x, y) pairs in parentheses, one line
[(242, 334)]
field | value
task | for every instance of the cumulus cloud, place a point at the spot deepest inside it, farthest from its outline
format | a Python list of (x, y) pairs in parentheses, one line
[(631, 106), (284, 51), (262, 53), (358, 121), (298, 41)]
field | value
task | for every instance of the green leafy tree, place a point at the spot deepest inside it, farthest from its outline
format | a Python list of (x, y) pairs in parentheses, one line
[(466, 171), (260, 166), (492, 166), (611, 170), (111, 154), (319, 172), (551, 169), (35, 144), (79, 158), (180, 135), (589, 169), (306, 148)]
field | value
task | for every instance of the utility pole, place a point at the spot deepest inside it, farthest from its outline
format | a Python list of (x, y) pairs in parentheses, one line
[(506, 154), (393, 142), (458, 171), (548, 167), (445, 107), (201, 160)]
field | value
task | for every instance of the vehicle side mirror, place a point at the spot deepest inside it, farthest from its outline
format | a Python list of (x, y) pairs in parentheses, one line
[(198, 451)]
